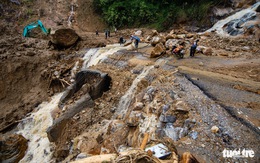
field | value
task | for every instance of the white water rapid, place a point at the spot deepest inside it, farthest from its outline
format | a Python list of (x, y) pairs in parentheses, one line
[(97, 55), (127, 98), (237, 20), (34, 127), (72, 13)]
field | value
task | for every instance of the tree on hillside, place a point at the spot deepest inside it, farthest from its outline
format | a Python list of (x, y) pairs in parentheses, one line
[(160, 14)]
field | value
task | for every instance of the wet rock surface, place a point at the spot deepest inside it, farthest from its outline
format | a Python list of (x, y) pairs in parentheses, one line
[(92, 83), (147, 96)]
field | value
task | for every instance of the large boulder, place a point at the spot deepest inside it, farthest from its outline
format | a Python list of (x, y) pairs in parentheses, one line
[(57, 129), (157, 39), (154, 33), (171, 36), (169, 43), (158, 50), (64, 38), (128, 42), (92, 83), (207, 51), (138, 33), (13, 147)]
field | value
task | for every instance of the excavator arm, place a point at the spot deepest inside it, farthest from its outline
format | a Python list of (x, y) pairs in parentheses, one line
[(33, 25)]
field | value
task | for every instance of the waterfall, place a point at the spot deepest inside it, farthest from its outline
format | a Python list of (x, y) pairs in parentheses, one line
[(235, 24), (127, 98), (71, 15), (97, 55), (34, 127)]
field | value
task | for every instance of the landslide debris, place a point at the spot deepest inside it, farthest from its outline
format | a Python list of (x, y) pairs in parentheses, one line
[(64, 38)]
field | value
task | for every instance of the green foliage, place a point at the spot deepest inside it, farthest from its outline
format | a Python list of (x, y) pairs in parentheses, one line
[(157, 14)]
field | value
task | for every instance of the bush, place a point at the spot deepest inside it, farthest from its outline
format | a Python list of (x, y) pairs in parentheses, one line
[(159, 14)]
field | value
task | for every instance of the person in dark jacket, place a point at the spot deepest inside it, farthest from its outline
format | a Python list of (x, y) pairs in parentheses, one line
[(106, 34), (121, 40), (193, 48)]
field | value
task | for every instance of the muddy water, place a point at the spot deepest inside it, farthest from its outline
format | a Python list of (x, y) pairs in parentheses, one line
[(129, 95), (34, 127), (239, 17), (96, 55), (72, 13), (203, 110)]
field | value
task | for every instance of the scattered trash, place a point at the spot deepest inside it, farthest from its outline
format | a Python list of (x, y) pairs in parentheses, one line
[(160, 151)]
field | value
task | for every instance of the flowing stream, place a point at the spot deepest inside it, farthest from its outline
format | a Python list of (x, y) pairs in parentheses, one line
[(72, 13), (34, 127), (127, 98), (96, 55), (235, 24)]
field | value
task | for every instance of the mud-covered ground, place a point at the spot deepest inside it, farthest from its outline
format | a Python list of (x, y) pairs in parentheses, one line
[(213, 91), (221, 89)]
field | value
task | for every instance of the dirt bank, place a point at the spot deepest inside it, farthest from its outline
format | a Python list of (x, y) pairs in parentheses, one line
[(147, 95)]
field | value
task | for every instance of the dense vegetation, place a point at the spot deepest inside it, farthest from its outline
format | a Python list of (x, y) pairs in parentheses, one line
[(157, 14)]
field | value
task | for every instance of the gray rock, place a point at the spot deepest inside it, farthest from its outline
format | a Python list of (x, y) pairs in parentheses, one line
[(189, 123), (81, 156), (172, 94), (171, 132), (182, 131), (150, 90), (165, 108), (194, 135), (167, 118)]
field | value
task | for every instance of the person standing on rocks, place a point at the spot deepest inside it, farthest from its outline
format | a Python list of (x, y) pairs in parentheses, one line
[(97, 33), (106, 33), (121, 40), (137, 40), (193, 48)]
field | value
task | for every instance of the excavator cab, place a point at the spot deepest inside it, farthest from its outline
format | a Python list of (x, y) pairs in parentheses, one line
[(33, 25)]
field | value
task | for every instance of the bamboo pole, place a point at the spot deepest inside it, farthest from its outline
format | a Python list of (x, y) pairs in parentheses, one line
[(145, 140)]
